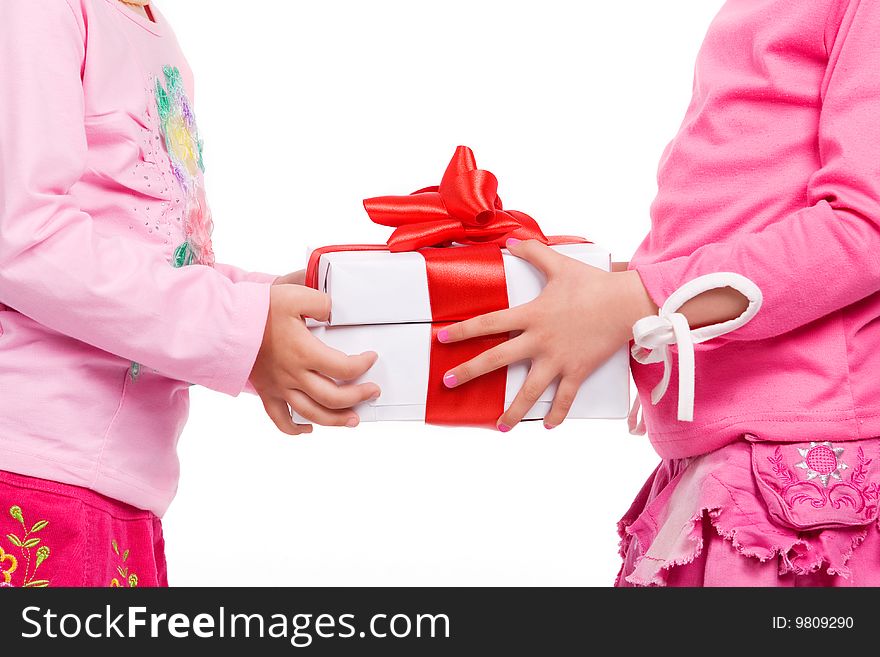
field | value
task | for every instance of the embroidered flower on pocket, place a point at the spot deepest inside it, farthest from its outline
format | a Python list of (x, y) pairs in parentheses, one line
[(822, 460), (804, 502)]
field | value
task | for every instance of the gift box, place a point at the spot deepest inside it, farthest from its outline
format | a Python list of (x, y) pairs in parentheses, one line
[(445, 262)]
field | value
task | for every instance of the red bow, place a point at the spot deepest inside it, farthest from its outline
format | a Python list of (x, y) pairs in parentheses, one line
[(464, 208)]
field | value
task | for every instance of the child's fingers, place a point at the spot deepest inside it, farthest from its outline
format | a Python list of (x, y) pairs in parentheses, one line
[(565, 394), (499, 321), (328, 393), (310, 303), (538, 254), (338, 365), (535, 384), (279, 413), (314, 412), (491, 359)]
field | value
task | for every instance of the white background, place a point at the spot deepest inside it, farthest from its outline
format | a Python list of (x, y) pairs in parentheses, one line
[(307, 108)]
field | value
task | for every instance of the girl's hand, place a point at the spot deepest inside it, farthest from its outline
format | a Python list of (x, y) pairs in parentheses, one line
[(583, 315), (294, 369), (294, 278)]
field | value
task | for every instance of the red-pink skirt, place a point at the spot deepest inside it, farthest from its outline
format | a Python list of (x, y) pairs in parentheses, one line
[(757, 513), (54, 534)]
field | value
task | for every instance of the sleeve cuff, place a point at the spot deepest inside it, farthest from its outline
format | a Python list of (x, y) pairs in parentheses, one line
[(239, 275), (654, 335), (654, 281), (660, 288), (244, 338), (260, 277)]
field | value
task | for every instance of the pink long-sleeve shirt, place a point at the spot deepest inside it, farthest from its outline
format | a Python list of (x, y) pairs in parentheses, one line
[(111, 303), (773, 180)]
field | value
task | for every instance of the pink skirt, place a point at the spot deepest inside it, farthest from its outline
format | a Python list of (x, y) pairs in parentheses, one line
[(757, 513), (53, 534)]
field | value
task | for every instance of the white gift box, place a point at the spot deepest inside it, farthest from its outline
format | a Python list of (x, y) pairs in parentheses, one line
[(380, 302)]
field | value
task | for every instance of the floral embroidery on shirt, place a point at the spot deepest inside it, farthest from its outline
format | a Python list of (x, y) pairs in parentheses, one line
[(10, 565), (180, 133), (178, 126), (128, 578)]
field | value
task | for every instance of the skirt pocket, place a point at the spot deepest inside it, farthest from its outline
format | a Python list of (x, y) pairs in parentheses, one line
[(818, 485)]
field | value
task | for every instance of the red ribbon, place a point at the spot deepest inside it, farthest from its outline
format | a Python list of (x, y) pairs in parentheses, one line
[(463, 282)]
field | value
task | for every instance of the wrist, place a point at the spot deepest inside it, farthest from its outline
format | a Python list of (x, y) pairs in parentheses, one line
[(293, 278), (636, 302)]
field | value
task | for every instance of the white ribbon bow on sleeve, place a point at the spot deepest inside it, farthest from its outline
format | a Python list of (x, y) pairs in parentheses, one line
[(655, 333)]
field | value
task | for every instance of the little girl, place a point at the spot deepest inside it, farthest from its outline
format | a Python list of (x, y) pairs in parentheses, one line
[(759, 277), (112, 302)]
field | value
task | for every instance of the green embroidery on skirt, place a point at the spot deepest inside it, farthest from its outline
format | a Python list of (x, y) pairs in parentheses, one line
[(130, 578), (27, 542)]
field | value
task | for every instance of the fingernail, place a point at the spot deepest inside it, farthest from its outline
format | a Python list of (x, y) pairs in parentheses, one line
[(352, 422), (374, 396), (443, 335), (512, 241), (450, 380), (547, 425), (503, 428)]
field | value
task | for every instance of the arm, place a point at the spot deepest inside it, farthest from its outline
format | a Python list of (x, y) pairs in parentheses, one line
[(710, 307), (822, 257), (237, 275), (192, 324)]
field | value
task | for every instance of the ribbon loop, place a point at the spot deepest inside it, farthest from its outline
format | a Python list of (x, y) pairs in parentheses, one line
[(655, 334), (464, 208)]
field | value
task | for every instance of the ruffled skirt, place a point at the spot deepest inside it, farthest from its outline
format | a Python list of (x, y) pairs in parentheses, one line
[(757, 513)]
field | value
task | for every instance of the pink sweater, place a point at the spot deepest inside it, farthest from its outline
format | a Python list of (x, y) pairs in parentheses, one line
[(772, 182), (112, 304)]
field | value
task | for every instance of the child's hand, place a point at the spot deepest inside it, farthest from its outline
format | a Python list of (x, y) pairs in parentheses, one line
[(294, 368), (294, 278), (583, 315)]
